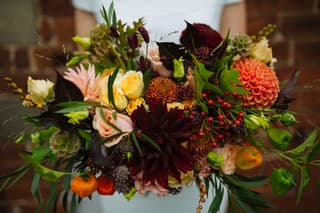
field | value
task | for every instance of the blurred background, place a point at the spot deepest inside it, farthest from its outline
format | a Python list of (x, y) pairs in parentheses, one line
[(35, 39)]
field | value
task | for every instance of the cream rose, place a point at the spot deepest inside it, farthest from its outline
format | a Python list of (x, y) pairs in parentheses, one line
[(40, 91), (109, 123), (261, 51), (132, 84)]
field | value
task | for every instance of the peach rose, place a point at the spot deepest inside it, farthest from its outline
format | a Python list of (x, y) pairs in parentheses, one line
[(110, 124)]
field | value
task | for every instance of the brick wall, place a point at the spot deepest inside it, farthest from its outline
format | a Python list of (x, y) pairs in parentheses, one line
[(296, 45)]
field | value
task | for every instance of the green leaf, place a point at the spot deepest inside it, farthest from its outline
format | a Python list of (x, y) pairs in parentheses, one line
[(110, 87), (150, 141), (305, 179), (73, 203), (39, 153), (229, 81), (73, 106), (218, 196), (147, 76), (315, 150), (46, 173), (136, 143), (75, 60), (309, 142), (35, 187)]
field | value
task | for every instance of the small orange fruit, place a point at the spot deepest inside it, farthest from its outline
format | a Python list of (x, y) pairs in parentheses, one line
[(84, 186), (248, 157)]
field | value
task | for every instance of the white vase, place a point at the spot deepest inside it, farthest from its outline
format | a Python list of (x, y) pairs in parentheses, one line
[(185, 202)]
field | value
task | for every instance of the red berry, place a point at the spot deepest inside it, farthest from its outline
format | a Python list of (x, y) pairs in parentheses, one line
[(221, 123), (203, 114), (210, 119), (226, 93), (234, 94), (214, 144), (220, 117), (210, 102), (201, 133), (203, 95), (241, 114), (220, 136), (237, 122)]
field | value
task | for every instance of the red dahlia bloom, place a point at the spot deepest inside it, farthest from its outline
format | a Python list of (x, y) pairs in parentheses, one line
[(168, 129)]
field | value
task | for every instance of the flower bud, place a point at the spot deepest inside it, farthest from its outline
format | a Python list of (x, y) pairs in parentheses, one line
[(144, 33), (279, 138), (84, 42), (282, 181), (215, 159), (287, 119), (133, 41), (114, 32), (178, 68)]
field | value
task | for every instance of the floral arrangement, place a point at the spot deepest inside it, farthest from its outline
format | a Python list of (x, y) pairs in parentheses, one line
[(130, 117)]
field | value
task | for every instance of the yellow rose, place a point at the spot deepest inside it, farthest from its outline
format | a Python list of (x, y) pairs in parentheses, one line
[(133, 104), (186, 180), (261, 51), (132, 84), (120, 99)]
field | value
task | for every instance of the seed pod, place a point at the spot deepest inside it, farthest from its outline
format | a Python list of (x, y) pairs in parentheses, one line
[(144, 33), (133, 41), (114, 32)]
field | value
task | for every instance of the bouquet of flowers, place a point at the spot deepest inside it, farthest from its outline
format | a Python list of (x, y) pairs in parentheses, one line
[(129, 116)]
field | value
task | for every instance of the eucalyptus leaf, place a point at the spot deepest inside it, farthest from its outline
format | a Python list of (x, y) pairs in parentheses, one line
[(309, 142), (304, 181)]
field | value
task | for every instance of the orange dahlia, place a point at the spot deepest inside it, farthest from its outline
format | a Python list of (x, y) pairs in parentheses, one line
[(161, 90), (260, 80)]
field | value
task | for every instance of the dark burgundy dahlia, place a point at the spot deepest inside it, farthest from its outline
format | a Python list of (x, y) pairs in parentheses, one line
[(201, 39), (169, 130)]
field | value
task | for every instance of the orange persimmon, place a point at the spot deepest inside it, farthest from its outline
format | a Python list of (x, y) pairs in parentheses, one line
[(248, 157), (84, 186)]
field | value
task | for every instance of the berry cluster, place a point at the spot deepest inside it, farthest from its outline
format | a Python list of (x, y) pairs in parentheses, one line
[(222, 123)]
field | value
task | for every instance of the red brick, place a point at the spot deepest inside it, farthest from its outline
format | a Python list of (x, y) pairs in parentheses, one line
[(4, 59), (295, 5), (45, 29), (280, 50), (64, 30), (56, 7), (296, 26), (21, 58), (307, 53), (257, 22)]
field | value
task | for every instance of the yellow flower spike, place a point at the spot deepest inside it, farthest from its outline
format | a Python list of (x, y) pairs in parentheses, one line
[(248, 157)]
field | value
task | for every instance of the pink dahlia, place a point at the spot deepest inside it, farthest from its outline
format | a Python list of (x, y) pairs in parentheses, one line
[(260, 80), (86, 80)]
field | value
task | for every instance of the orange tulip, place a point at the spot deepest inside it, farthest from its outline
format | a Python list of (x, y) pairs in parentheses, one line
[(248, 157), (84, 186)]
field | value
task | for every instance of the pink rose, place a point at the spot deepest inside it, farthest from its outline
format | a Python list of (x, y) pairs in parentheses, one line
[(111, 124)]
